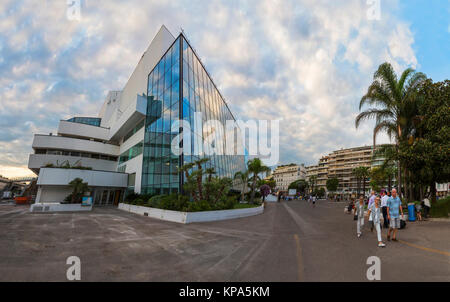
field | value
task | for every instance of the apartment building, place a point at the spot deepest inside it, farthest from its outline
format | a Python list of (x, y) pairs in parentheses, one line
[(340, 164), (287, 174)]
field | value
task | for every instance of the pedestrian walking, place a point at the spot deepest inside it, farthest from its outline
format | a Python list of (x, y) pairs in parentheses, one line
[(394, 210), (419, 211), (426, 206), (384, 199), (371, 202), (314, 201), (375, 211), (359, 213)]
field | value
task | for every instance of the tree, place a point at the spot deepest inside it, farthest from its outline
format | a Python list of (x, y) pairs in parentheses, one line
[(242, 177), (270, 182), (188, 186), (393, 100), (332, 184), (78, 189), (312, 182), (255, 167), (365, 173), (265, 190), (215, 188), (300, 185), (199, 174), (209, 172), (357, 173), (426, 153)]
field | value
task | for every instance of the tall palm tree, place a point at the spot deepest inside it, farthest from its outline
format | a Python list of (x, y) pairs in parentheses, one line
[(312, 182), (209, 172), (242, 177), (393, 99), (199, 174), (186, 168), (357, 173), (365, 173), (256, 167)]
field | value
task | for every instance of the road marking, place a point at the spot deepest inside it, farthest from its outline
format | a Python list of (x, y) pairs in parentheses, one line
[(299, 258), (425, 248), (305, 227)]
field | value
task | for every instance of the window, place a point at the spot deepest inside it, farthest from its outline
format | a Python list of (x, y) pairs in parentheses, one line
[(93, 121), (134, 130), (131, 153)]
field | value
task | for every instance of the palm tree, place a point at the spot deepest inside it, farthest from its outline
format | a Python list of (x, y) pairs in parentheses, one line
[(255, 166), (199, 174), (242, 177), (312, 182), (186, 168), (393, 99), (357, 173), (209, 172), (78, 188), (364, 174)]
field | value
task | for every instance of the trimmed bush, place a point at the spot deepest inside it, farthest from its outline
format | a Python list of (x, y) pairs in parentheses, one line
[(441, 208)]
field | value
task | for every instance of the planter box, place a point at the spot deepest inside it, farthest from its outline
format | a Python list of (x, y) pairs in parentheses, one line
[(58, 207), (189, 217), (22, 200)]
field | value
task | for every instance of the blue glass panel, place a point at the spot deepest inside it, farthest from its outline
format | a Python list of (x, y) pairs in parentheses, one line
[(167, 102), (176, 52), (175, 93), (166, 121), (175, 73), (168, 61), (168, 79), (186, 110)]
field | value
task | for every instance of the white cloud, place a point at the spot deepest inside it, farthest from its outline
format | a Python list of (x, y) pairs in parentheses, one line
[(304, 62)]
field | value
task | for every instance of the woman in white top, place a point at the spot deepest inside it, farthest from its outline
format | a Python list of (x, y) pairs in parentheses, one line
[(375, 210), (359, 211)]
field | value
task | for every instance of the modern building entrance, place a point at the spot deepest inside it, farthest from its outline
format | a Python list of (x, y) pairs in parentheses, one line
[(107, 197)]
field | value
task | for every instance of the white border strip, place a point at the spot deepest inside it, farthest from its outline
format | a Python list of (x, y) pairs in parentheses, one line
[(189, 217)]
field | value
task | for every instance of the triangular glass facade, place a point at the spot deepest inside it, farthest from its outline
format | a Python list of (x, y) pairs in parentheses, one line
[(180, 75)]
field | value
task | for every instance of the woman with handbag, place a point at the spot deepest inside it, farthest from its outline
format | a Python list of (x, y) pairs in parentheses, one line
[(375, 210), (359, 215)]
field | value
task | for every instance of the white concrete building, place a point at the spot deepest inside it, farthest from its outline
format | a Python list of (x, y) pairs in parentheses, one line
[(127, 146), (285, 175)]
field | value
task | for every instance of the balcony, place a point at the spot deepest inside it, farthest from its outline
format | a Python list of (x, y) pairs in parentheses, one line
[(75, 144), (83, 130), (38, 161), (62, 177)]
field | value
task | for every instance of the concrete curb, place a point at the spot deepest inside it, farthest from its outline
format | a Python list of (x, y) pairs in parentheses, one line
[(438, 219), (189, 217)]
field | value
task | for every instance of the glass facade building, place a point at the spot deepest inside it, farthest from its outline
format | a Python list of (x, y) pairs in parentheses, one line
[(178, 87)]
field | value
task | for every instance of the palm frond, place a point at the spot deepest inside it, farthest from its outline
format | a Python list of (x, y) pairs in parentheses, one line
[(372, 113), (386, 74)]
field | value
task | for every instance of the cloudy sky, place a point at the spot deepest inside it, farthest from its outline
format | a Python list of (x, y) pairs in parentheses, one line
[(304, 62)]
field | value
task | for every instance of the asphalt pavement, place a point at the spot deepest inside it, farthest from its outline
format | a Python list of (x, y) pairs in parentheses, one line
[(290, 241)]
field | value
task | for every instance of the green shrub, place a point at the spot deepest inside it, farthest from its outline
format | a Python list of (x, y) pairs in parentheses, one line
[(198, 206), (441, 208), (155, 201), (131, 197), (173, 202)]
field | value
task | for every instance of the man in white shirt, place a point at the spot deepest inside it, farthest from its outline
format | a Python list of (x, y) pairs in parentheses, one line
[(384, 199)]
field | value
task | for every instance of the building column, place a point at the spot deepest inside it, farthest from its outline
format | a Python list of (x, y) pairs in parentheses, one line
[(38, 195)]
